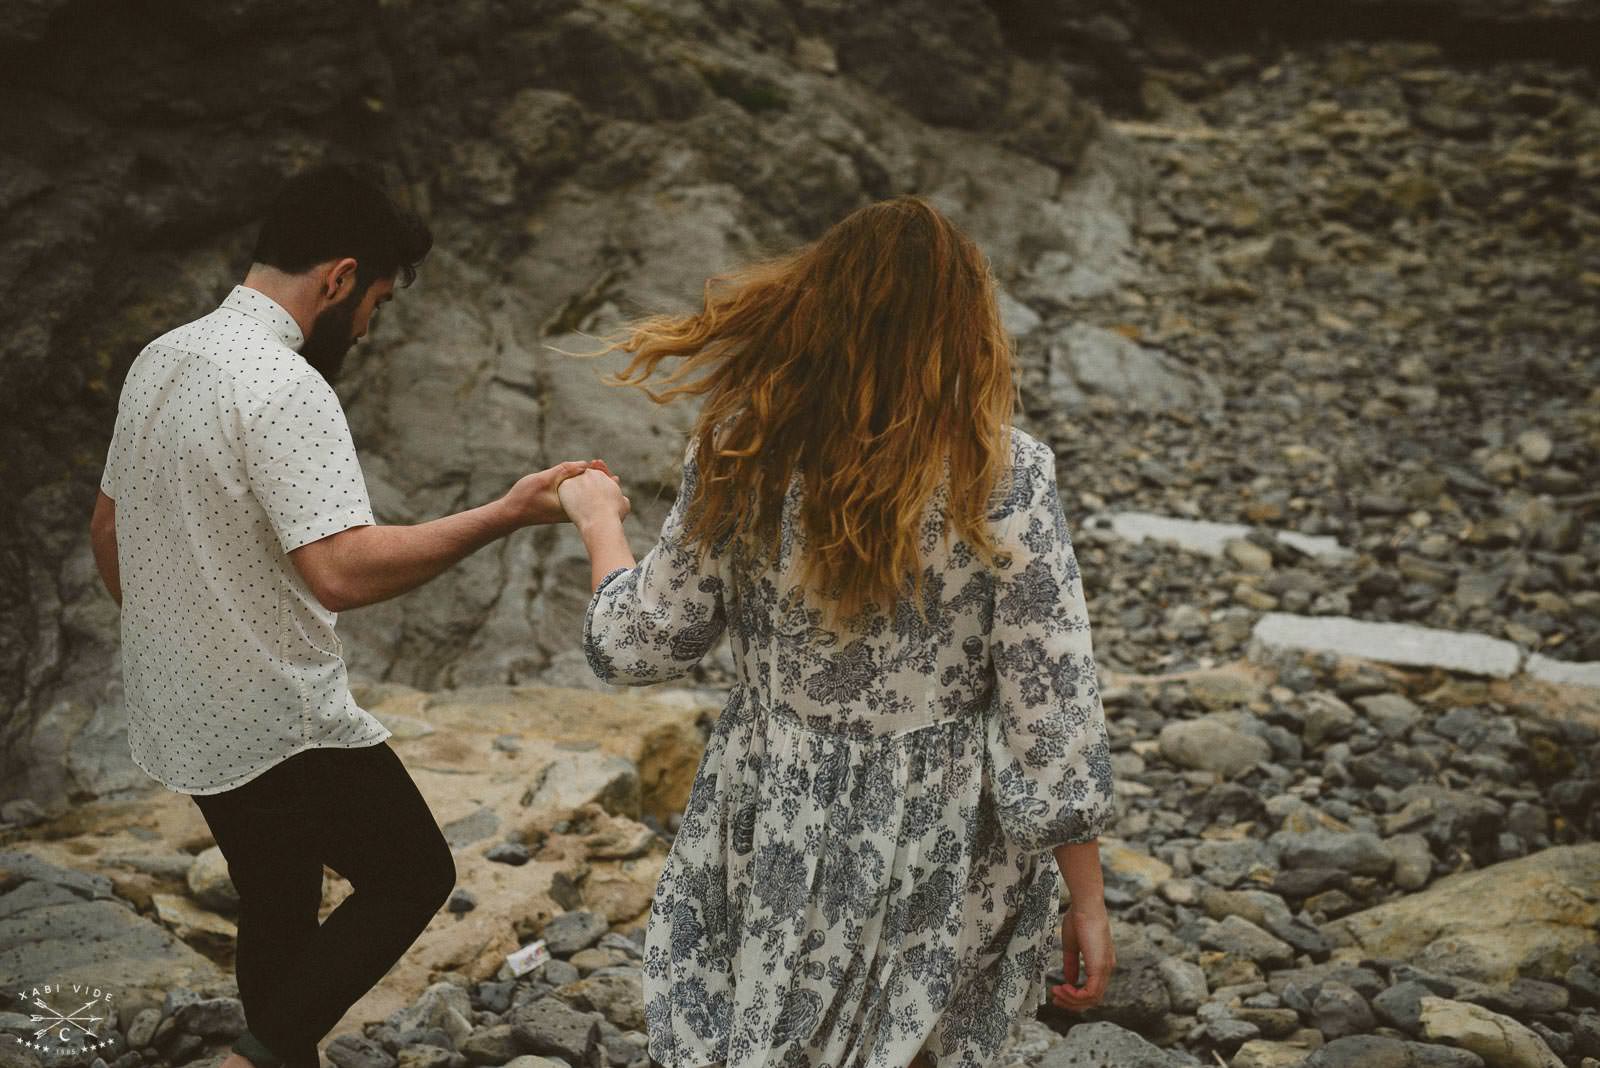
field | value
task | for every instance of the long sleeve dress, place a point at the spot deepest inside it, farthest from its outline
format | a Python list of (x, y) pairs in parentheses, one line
[(863, 868)]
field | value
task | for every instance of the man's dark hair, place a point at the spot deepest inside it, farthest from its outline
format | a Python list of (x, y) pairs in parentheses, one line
[(331, 212)]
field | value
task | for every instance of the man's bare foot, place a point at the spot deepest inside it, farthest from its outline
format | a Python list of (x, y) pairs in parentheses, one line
[(237, 1060)]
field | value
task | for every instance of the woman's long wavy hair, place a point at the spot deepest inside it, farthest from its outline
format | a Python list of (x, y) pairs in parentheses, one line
[(863, 360)]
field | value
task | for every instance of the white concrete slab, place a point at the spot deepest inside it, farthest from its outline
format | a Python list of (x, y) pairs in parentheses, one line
[(1205, 536), (1390, 643), (1565, 672)]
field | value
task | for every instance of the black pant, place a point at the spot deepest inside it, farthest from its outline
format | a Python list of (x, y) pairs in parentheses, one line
[(357, 811)]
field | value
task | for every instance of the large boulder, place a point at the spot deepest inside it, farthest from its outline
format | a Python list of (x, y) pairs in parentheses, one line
[(1522, 917)]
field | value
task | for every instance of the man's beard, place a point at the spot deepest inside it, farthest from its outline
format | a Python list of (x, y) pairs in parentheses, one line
[(330, 338)]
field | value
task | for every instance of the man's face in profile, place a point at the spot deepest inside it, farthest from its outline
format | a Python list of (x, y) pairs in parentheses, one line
[(341, 325)]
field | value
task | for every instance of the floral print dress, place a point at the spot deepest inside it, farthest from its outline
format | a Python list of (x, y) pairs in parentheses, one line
[(863, 870)]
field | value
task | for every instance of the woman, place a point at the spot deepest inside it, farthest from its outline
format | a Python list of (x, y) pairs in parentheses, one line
[(863, 869)]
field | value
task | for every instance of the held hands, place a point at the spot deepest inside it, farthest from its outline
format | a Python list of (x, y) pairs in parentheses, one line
[(593, 495), (1085, 930), (534, 499)]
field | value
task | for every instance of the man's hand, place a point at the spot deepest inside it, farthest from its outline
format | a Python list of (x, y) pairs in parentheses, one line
[(533, 500), (1085, 931)]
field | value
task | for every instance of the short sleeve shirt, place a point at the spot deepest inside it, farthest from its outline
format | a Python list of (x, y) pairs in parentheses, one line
[(229, 451)]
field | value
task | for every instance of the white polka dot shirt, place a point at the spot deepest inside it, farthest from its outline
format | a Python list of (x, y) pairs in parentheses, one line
[(229, 451)]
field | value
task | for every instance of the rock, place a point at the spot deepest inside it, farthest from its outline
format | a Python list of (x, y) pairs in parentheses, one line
[(1230, 863), (474, 827), (1413, 860), (1357, 852), (490, 1045), (1501, 1041), (1376, 1051), (1389, 643), (1552, 894), (425, 1056), (213, 1018), (1535, 446), (1105, 1045), (1212, 745), (1185, 983), (513, 853), (210, 883), (1130, 870), (1260, 1053), (356, 1051), (569, 932), (63, 922), (1327, 719), (143, 1028), (1400, 1006), (551, 1026), (1338, 1010), (443, 1005), (1136, 995), (1391, 713), (1248, 555), (1240, 937), (577, 779), (1089, 361), (192, 923), (619, 998)]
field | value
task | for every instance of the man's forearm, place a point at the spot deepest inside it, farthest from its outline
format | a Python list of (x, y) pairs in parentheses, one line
[(1080, 867), (104, 542), (376, 563)]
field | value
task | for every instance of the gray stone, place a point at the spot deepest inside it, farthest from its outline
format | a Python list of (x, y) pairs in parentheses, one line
[(143, 1027), (63, 922), (551, 1026), (1186, 984), (1390, 643), (1089, 361), (213, 1018), (1357, 852), (1501, 1041), (443, 1005), (1210, 744), (1400, 1006), (576, 779), (568, 932), (1230, 863), (210, 882), (477, 826), (356, 1051), (1239, 936), (1105, 1045), (1413, 860), (1338, 1010), (1391, 713), (495, 1044), (1377, 1051), (618, 996)]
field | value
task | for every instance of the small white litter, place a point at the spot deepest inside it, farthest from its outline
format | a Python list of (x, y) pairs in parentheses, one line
[(528, 958)]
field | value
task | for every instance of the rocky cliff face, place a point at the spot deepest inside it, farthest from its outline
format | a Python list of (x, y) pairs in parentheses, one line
[(577, 160), (582, 161)]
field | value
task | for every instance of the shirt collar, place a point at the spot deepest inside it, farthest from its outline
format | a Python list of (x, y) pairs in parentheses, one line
[(258, 305)]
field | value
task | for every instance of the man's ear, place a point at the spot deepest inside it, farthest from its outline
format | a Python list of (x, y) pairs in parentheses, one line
[(340, 280)]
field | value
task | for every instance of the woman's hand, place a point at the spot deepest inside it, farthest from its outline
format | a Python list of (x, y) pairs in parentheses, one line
[(1085, 931), (534, 500), (592, 496)]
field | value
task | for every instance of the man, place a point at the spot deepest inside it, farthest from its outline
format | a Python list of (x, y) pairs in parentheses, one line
[(232, 525)]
